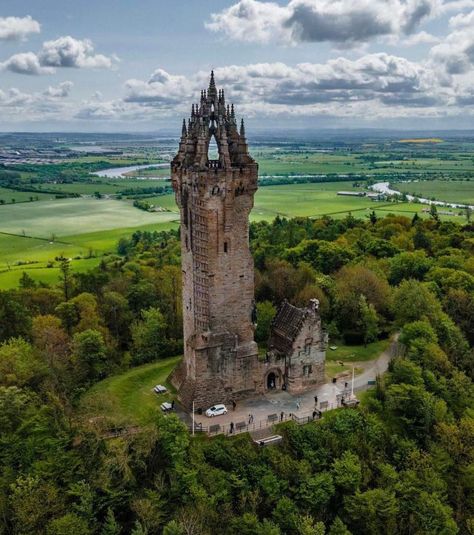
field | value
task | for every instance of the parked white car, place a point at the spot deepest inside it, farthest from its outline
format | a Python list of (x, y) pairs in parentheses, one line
[(216, 410), (166, 406), (160, 389)]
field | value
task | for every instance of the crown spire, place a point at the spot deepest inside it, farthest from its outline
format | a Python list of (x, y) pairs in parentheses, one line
[(183, 130), (242, 128), (212, 91)]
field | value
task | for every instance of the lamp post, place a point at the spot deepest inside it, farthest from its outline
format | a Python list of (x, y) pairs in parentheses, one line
[(193, 417)]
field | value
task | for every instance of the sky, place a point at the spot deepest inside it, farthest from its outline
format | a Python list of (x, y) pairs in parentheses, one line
[(138, 65)]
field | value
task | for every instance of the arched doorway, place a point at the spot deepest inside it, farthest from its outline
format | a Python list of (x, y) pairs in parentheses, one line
[(271, 381)]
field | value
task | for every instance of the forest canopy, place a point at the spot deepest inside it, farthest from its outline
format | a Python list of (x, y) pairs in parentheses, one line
[(400, 463)]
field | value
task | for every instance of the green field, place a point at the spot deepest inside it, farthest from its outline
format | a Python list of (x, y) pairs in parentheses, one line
[(128, 398), (87, 227), (64, 217), (10, 195), (455, 191)]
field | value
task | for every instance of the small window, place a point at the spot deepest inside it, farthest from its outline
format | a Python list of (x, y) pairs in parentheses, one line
[(225, 247)]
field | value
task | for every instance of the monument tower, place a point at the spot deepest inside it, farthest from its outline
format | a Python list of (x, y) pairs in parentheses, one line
[(215, 197)]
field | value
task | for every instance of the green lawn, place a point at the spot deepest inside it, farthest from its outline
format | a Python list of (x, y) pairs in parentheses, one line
[(130, 395), (360, 353)]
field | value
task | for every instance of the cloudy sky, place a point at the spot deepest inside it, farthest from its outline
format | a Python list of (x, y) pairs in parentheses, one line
[(122, 65)]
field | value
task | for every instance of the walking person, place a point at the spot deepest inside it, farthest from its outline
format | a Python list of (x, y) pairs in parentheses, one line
[(315, 401), (234, 404), (298, 405), (282, 415), (231, 427)]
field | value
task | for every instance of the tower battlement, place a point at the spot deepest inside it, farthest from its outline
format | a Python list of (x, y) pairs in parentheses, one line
[(212, 118)]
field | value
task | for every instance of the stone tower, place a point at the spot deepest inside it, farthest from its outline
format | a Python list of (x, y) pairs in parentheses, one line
[(215, 197)]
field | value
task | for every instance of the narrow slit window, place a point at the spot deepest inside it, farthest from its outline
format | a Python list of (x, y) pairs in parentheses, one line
[(225, 247)]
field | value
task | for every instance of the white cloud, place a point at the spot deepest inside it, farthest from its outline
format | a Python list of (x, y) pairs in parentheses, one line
[(69, 52), (16, 105), (64, 52), (17, 28), (455, 54), (161, 89), (343, 22), (25, 63), (59, 91), (421, 38)]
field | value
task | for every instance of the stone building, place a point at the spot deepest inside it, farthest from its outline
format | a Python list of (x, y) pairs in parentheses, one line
[(297, 348), (215, 197)]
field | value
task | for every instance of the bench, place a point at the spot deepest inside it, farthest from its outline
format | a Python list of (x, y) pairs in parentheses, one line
[(274, 439), (272, 417), (215, 428), (240, 426)]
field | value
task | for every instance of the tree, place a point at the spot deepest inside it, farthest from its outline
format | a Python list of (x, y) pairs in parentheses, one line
[(368, 321), (20, 364), (148, 335), (117, 315), (26, 493), (347, 472), (68, 524), (459, 304), (27, 282), (265, 314), (338, 528), (15, 318), (89, 354), (65, 276), (373, 512), (14, 402), (69, 315), (434, 212), (110, 526), (413, 301), (409, 265), (316, 492), (173, 528), (414, 409)]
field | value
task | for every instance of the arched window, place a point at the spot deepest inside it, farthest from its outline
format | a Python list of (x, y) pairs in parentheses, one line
[(213, 149)]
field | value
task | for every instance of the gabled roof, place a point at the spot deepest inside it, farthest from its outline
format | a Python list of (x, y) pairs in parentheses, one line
[(288, 320)]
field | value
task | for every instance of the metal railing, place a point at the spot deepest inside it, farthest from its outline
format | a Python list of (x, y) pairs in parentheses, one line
[(256, 425)]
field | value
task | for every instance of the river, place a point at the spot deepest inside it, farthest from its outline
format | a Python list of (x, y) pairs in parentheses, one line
[(384, 187), (120, 172)]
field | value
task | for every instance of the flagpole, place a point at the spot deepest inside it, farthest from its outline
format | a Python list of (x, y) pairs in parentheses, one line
[(193, 417), (352, 387)]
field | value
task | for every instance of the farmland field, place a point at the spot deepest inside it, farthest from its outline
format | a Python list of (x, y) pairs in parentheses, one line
[(75, 216), (298, 178), (84, 229), (442, 190)]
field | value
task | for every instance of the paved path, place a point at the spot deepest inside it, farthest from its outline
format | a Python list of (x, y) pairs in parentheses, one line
[(276, 402)]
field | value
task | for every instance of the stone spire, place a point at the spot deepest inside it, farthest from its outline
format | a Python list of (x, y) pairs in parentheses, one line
[(212, 91), (211, 117)]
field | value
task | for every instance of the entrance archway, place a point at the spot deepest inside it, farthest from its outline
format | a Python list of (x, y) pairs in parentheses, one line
[(271, 381)]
